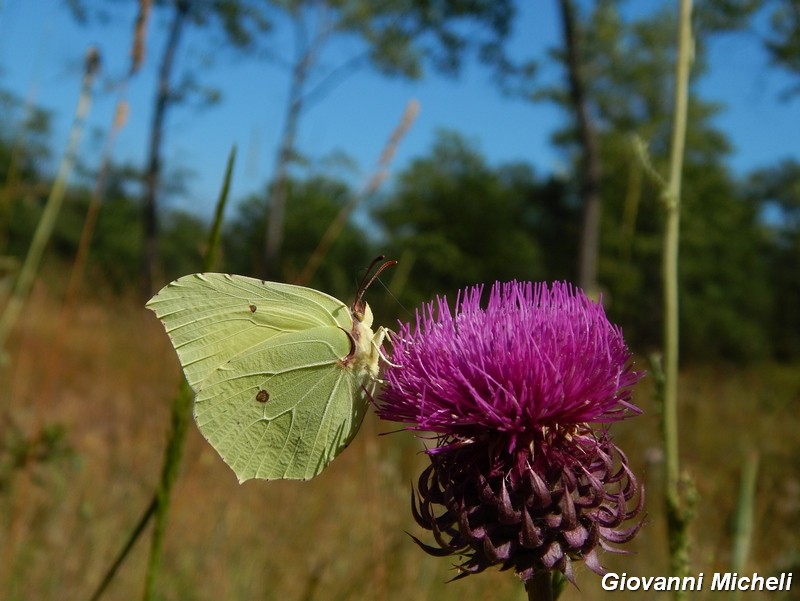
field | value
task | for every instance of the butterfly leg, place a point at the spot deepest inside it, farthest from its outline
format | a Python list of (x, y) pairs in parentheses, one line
[(377, 342)]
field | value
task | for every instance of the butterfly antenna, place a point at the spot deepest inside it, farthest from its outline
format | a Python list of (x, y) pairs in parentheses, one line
[(366, 281), (394, 298)]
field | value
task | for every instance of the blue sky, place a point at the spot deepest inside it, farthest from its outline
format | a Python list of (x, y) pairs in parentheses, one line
[(41, 51)]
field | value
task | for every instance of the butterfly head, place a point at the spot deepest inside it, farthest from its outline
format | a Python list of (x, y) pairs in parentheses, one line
[(362, 314)]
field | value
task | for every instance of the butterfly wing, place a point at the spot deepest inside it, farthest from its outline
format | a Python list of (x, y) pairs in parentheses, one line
[(212, 317), (285, 408), (276, 392)]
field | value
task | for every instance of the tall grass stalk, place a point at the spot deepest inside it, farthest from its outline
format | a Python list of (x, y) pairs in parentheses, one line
[(44, 228), (126, 548), (743, 524), (374, 183), (375, 507), (118, 122), (180, 418), (677, 513), (55, 359), (181, 413)]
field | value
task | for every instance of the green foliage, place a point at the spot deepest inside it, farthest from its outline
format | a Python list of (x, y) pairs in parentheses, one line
[(775, 194), (717, 16), (183, 237), (402, 35), (23, 153), (461, 222), (241, 22), (629, 72), (24, 140), (312, 205), (631, 240), (20, 450), (783, 43), (117, 246), (724, 291)]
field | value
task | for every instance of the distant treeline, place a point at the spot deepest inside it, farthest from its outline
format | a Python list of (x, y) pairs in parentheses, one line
[(453, 220)]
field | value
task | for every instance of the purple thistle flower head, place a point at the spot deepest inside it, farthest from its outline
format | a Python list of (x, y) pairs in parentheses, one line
[(518, 478), (535, 356)]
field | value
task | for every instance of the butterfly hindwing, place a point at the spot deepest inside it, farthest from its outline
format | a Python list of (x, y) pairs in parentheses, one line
[(313, 409)]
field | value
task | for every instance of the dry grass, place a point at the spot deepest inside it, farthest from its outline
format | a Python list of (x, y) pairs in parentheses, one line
[(340, 536)]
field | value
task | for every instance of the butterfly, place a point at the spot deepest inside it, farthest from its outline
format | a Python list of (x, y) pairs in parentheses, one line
[(282, 374)]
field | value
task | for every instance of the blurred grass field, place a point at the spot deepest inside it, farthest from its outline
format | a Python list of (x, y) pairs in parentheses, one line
[(342, 535)]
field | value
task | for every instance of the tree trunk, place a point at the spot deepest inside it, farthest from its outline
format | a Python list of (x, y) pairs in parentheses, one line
[(590, 172), (280, 182), (153, 176)]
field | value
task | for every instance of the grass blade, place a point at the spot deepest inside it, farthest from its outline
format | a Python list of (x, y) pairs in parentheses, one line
[(181, 412), (44, 228), (180, 420)]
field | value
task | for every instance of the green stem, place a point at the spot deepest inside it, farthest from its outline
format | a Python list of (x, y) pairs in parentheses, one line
[(126, 548), (181, 412), (181, 415), (210, 261), (676, 515), (180, 419), (743, 525), (540, 587)]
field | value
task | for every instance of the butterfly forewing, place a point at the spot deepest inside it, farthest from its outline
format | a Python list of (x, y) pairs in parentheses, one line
[(212, 317)]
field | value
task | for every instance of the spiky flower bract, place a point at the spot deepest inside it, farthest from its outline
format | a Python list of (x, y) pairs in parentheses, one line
[(519, 395)]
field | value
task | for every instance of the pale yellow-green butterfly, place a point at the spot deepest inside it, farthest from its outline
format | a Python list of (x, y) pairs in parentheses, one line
[(282, 374)]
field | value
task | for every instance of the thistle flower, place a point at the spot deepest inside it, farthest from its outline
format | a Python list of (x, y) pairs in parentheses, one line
[(518, 477)]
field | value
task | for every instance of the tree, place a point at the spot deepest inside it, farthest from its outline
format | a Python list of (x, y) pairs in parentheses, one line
[(783, 42), (457, 222), (240, 21), (397, 37), (775, 195), (313, 204), (590, 161), (234, 17), (628, 66)]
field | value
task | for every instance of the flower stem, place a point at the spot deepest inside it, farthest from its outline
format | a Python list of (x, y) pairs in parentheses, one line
[(677, 515), (540, 587)]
